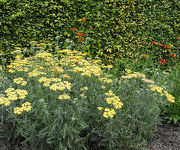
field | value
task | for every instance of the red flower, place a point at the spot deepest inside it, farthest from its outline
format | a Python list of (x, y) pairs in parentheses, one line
[(172, 55), (154, 42), (162, 61), (80, 39), (80, 34), (166, 46), (73, 29), (7, 69), (178, 38), (83, 20)]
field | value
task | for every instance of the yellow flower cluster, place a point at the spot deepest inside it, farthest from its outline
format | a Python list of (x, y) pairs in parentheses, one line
[(60, 85), (40, 67), (75, 60), (56, 69), (103, 87), (17, 65), (11, 92), (108, 113), (64, 96), (24, 107), (130, 75), (43, 55), (162, 92), (169, 97), (19, 56), (113, 99), (66, 76), (158, 89), (105, 80), (128, 71), (20, 81), (108, 66), (84, 88), (35, 73), (4, 101), (12, 95), (150, 83)]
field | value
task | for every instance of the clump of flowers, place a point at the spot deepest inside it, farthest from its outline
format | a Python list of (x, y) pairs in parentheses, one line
[(150, 83), (72, 62), (171, 55), (163, 61)]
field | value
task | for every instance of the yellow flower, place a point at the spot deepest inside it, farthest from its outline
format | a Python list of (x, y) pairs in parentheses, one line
[(84, 88), (128, 71), (26, 69), (66, 76), (103, 87), (7, 103), (109, 113), (64, 96), (18, 110), (105, 115), (109, 66), (147, 81), (19, 56), (126, 77), (158, 89), (169, 97), (82, 95), (99, 108), (110, 93), (19, 81), (26, 106), (109, 100), (9, 90)]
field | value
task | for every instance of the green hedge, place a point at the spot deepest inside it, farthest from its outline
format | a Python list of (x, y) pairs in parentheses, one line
[(120, 28)]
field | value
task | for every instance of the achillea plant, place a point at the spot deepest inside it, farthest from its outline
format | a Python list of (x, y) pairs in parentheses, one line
[(71, 104)]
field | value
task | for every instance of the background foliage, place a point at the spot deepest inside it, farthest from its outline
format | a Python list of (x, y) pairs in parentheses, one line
[(120, 28)]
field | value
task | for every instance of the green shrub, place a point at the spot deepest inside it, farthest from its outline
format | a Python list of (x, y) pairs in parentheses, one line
[(120, 28), (70, 103)]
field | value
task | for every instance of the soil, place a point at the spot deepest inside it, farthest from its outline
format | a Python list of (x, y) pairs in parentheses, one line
[(166, 138)]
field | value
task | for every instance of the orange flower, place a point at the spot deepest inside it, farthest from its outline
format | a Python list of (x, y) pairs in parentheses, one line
[(154, 42), (80, 39), (83, 20), (80, 34), (7, 69), (73, 29), (160, 44), (90, 27), (162, 61), (172, 55), (166, 46), (178, 38)]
